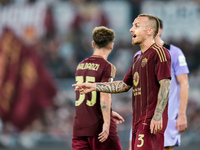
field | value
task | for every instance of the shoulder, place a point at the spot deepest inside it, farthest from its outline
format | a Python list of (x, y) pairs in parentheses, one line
[(109, 69), (159, 49), (85, 60), (177, 55), (175, 50), (162, 53), (113, 68)]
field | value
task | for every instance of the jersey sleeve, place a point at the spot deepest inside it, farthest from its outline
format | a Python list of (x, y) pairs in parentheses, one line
[(128, 78), (109, 72), (179, 64), (163, 64)]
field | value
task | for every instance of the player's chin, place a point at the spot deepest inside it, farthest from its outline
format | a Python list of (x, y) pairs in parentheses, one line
[(134, 42)]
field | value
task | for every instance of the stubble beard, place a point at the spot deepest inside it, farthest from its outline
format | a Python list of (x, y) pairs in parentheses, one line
[(135, 43)]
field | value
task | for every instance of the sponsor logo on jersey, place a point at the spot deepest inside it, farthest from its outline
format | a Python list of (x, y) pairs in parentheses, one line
[(136, 78)]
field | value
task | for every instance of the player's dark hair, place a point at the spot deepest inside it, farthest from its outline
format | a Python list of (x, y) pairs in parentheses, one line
[(155, 22), (103, 36), (160, 23)]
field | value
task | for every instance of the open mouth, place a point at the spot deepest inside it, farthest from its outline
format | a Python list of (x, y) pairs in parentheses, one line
[(134, 36)]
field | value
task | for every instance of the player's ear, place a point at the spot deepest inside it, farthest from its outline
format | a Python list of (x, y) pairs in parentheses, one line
[(150, 31), (111, 46), (160, 32), (93, 44)]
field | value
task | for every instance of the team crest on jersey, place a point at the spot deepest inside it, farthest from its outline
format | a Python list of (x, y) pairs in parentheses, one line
[(136, 78), (144, 62)]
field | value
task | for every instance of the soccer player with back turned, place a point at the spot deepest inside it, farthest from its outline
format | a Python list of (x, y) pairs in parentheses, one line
[(94, 125)]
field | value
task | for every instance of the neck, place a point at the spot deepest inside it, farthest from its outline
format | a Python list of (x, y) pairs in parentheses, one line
[(159, 41), (146, 44), (102, 52)]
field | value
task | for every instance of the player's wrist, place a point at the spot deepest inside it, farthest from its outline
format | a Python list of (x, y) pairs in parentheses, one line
[(182, 114), (107, 123), (95, 86)]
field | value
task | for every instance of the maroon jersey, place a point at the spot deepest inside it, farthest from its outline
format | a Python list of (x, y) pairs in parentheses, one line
[(144, 75), (89, 119)]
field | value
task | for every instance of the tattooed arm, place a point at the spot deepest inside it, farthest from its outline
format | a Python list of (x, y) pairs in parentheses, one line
[(112, 87), (105, 101), (109, 87), (163, 95)]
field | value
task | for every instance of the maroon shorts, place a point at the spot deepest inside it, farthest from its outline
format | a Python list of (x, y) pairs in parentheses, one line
[(92, 143), (142, 139)]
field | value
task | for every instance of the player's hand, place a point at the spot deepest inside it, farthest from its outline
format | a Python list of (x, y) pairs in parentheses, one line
[(181, 124), (105, 132), (117, 118), (156, 125), (84, 88)]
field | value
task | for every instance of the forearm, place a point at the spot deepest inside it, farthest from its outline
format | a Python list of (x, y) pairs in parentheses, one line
[(112, 87), (105, 101), (163, 96), (184, 92)]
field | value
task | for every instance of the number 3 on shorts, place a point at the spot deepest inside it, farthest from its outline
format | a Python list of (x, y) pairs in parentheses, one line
[(140, 138)]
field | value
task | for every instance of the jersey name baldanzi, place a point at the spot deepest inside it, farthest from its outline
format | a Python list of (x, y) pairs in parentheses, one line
[(89, 66)]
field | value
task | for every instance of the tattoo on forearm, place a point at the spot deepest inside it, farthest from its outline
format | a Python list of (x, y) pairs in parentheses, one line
[(120, 85), (158, 114), (112, 87), (102, 88), (163, 96), (104, 107)]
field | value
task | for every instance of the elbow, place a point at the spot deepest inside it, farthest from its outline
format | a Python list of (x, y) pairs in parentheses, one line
[(126, 90)]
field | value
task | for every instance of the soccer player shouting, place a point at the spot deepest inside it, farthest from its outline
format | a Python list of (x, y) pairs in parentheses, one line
[(149, 76)]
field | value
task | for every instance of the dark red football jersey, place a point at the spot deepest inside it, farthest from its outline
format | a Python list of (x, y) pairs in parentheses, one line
[(89, 120), (144, 75)]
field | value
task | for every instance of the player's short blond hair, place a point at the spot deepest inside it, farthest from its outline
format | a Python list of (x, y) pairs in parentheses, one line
[(154, 23)]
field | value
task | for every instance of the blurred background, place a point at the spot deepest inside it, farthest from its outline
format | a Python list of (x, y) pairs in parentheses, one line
[(41, 43)]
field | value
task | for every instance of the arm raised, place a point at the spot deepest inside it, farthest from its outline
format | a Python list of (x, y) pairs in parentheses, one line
[(108, 87)]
